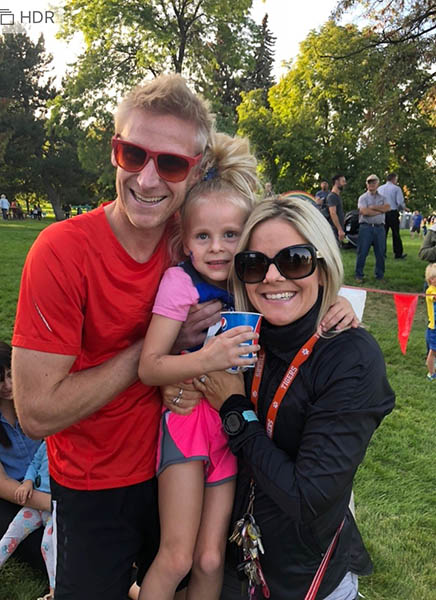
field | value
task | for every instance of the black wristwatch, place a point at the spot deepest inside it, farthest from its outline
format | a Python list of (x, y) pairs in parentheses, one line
[(235, 422)]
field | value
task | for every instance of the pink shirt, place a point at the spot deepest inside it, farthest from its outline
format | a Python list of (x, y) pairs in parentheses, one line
[(176, 295)]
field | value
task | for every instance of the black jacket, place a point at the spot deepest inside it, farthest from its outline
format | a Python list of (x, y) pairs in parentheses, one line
[(305, 474)]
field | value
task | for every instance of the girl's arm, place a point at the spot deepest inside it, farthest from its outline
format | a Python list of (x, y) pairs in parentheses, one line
[(8, 486), (158, 367), (339, 316), (35, 464), (24, 491)]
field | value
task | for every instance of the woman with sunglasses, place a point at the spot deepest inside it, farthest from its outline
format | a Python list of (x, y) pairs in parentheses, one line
[(302, 422)]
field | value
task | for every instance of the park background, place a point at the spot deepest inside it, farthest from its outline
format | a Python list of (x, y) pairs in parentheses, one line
[(359, 97)]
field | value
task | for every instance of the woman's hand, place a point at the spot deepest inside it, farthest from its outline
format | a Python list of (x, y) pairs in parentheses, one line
[(181, 398), (339, 316), (218, 386), (224, 351), (24, 491)]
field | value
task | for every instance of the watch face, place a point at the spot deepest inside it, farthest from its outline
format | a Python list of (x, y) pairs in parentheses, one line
[(233, 423)]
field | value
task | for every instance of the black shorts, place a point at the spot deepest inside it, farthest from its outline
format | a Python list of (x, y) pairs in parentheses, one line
[(100, 534)]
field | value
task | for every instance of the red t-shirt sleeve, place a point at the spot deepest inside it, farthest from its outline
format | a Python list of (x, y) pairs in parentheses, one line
[(52, 294)]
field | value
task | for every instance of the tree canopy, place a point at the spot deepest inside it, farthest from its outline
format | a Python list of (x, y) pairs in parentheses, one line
[(406, 29), (24, 92), (324, 117), (355, 100), (211, 42), (395, 21), (37, 157)]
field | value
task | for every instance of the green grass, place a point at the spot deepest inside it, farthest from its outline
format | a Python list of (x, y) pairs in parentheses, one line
[(19, 582), (395, 486), (16, 237)]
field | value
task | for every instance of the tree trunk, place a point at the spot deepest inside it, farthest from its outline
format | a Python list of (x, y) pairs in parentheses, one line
[(55, 201)]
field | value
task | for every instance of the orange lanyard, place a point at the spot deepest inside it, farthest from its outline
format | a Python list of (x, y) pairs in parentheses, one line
[(302, 355)]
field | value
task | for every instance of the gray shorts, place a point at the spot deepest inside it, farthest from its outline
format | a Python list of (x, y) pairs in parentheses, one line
[(346, 590)]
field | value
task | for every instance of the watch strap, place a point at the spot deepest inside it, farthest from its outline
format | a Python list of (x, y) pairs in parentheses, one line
[(249, 415)]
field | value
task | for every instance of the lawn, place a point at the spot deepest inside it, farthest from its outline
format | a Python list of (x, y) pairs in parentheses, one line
[(395, 486)]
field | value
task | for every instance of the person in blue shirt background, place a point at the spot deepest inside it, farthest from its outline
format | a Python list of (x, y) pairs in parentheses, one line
[(16, 453), (30, 519)]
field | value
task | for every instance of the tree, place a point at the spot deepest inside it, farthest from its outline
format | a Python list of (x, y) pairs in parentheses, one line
[(225, 75), (407, 30), (261, 76), (128, 42), (38, 153), (396, 21), (25, 89), (64, 179), (324, 116)]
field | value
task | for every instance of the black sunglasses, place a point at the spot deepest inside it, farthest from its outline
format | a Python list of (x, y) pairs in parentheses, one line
[(293, 262)]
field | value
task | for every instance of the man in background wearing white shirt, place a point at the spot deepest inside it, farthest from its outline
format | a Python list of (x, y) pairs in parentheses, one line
[(394, 196)]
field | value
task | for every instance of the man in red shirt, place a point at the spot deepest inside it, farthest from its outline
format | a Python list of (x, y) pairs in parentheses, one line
[(86, 296)]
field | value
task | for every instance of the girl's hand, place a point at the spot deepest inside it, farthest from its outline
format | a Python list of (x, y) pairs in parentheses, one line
[(218, 386), (224, 351), (24, 491), (339, 316), (181, 398)]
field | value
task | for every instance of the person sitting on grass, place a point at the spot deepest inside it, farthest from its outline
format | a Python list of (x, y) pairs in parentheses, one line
[(430, 298), (16, 453), (30, 519)]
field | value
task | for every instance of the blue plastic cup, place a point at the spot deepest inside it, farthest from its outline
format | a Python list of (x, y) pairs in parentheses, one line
[(231, 319)]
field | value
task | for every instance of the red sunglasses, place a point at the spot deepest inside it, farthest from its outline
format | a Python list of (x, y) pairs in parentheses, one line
[(170, 167)]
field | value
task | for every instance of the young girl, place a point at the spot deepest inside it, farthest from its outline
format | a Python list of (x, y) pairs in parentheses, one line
[(195, 466), (30, 519), (430, 298)]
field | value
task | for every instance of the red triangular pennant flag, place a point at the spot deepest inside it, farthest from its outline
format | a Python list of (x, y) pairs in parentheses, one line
[(406, 307)]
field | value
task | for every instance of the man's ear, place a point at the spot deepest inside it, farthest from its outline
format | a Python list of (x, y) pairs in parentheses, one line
[(113, 161), (197, 174)]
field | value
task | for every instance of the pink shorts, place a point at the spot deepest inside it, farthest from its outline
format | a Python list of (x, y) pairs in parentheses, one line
[(198, 436)]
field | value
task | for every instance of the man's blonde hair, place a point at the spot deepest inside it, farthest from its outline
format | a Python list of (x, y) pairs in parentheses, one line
[(168, 95), (314, 228), (430, 272)]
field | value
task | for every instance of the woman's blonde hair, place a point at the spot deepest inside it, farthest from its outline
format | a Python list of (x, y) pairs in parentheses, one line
[(314, 228), (228, 167), (430, 272)]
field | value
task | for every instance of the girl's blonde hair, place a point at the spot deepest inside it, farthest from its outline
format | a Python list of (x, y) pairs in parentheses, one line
[(314, 228), (430, 272), (228, 167)]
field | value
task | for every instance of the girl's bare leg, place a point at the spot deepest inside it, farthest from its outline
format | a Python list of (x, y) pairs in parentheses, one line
[(181, 489), (430, 361), (207, 570)]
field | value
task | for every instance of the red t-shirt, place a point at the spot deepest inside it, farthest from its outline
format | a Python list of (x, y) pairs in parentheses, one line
[(83, 295)]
